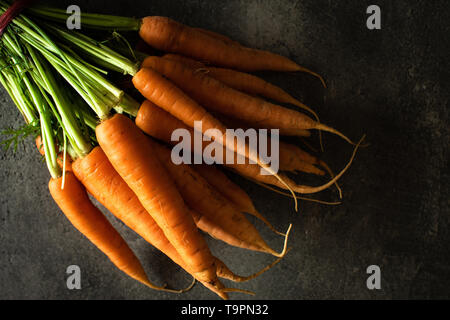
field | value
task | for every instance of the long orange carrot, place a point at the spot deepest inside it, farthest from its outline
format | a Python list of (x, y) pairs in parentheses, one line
[(233, 122), (160, 124), (218, 97), (244, 82), (75, 204), (100, 178), (102, 181), (166, 95), (130, 153), (224, 221), (170, 36), (234, 193)]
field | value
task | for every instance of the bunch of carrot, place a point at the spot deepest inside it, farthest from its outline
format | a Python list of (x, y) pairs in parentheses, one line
[(97, 139)]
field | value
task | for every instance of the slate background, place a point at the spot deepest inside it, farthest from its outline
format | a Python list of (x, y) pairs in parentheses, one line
[(391, 84)]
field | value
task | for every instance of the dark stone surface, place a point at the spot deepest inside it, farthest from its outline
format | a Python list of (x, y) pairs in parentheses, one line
[(391, 84)]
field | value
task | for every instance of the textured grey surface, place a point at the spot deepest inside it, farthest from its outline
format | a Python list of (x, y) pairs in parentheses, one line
[(391, 84)]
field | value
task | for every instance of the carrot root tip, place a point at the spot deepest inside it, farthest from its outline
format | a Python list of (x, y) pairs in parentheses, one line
[(227, 290), (285, 248)]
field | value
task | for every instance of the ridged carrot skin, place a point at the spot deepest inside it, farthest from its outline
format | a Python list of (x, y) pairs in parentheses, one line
[(225, 222), (244, 82), (172, 99), (233, 122), (218, 97), (77, 207), (168, 35), (102, 181), (129, 152), (160, 124), (100, 178), (219, 180)]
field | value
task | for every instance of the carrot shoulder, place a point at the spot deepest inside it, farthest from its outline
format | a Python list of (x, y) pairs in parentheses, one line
[(129, 152)]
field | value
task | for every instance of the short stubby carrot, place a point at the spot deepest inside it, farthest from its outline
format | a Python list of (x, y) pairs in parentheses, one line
[(129, 152), (168, 35), (218, 97), (77, 207)]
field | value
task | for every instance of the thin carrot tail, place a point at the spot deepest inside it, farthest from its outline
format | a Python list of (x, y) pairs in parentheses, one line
[(227, 290), (310, 190), (216, 289), (285, 248), (164, 287), (283, 182), (298, 197), (321, 126), (305, 107), (225, 273), (258, 215), (308, 145), (330, 172), (307, 168), (305, 70)]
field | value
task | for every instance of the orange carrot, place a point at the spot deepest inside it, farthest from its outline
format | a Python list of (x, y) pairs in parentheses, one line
[(166, 95), (234, 193), (223, 221), (130, 153), (99, 177), (160, 125), (75, 204), (197, 65), (217, 179), (238, 123), (157, 123), (244, 82), (220, 98), (218, 36), (235, 123), (170, 36)]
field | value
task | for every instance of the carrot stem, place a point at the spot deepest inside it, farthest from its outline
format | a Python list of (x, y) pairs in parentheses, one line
[(89, 20)]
